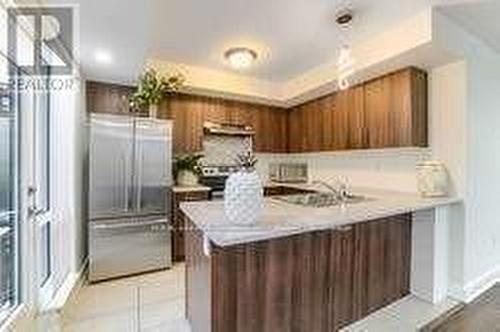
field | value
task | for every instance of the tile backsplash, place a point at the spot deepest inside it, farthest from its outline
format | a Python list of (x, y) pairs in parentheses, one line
[(392, 169), (385, 168), (223, 149)]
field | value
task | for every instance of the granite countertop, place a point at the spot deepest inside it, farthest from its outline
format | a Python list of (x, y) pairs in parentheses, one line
[(281, 219), (179, 189)]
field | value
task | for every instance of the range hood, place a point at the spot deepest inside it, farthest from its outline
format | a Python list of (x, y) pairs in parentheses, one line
[(227, 129)]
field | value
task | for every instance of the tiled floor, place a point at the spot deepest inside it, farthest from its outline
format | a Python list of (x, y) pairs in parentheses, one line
[(406, 315), (155, 303), (147, 303)]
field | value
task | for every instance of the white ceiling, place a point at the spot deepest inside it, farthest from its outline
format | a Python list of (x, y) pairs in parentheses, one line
[(122, 28), (481, 18), (291, 36)]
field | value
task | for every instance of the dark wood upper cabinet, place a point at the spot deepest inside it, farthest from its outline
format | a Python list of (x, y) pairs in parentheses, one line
[(271, 129), (389, 111), (396, 109), (334, 122), (351, 103), (187, 112), (108, 98), (190, 112)]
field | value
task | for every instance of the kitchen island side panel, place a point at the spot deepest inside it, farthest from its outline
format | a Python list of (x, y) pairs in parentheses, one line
[(198, 281), (316, 281)]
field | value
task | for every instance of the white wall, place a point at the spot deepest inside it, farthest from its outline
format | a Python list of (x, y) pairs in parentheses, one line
[(68, 167), (447, 117), (392, 169), (481, 229), (448, 138), (483, 183)]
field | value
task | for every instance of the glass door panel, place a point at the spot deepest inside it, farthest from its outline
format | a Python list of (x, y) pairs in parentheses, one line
[(42, 192), (8, 201)]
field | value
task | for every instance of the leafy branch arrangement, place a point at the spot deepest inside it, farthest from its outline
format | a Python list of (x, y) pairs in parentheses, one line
[(153, 88), (187, 162), (247, 161)]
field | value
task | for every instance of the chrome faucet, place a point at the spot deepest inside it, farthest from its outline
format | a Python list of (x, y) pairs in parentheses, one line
[(341, 192), (326, 185)]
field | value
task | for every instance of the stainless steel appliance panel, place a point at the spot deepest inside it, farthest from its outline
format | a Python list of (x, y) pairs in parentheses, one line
[(153, 166), (111, 165), (127, 246)]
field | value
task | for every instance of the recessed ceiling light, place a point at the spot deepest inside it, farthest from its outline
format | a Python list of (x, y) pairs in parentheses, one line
[(103, 57), (240, 57)]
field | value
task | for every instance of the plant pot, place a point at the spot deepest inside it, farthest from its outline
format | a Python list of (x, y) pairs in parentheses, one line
[(243, 197), (187, 179), (153, 111)]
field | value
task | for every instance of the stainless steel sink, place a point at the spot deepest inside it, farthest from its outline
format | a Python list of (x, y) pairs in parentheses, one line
[(320, 199)]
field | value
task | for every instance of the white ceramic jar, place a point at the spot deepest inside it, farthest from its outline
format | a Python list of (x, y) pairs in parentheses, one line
[(432, 179), (243, 197)]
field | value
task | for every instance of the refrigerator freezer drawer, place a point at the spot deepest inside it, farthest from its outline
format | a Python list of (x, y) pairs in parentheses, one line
[(128, 246)]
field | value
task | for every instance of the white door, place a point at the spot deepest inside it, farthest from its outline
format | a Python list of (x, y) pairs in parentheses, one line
[(26, 255), (35, 194), (39, 195), (17, 200)]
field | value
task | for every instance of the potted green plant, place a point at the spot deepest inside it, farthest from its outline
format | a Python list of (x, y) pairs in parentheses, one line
[(152, 88), (187, 169)]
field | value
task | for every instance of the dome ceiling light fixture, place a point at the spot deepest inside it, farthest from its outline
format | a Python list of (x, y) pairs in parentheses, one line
[(240, 57), (345, 63)]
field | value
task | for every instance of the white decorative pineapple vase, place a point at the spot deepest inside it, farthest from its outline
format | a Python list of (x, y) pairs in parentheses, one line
[(244, 195)]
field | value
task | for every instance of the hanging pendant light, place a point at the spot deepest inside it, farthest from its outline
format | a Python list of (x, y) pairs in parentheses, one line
[(345, 67), (346, 62)]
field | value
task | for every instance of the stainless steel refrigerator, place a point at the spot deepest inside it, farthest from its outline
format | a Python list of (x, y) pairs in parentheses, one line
[(130, 179)]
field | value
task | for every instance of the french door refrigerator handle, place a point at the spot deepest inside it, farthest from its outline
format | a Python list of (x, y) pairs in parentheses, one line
[(132, 224), (125, 179), (138, 185), (132, 187)]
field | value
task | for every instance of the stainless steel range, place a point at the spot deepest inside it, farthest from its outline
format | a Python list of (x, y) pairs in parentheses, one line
[(222, 143), (215, 176)]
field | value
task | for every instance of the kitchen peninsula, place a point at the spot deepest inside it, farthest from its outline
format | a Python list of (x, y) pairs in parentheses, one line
[(305, 268)]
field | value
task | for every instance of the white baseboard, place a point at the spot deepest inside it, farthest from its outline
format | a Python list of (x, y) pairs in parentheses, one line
[(68, 291), (476, 287)]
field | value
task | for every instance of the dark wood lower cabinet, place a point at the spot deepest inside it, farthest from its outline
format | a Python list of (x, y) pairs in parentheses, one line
[(178, 220), (344, 307), (384, 261), (318, 281)]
